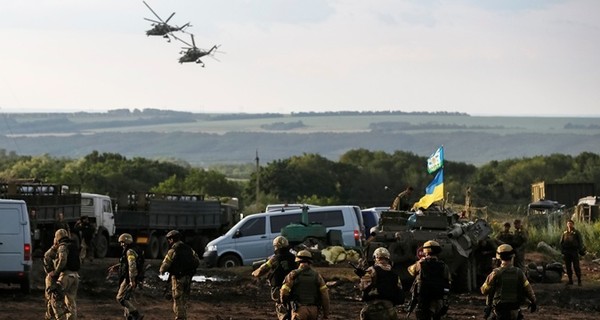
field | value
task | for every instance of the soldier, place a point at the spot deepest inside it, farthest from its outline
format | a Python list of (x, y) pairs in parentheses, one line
[(401, 202), (65, 271), (432, 283), (506, 288), (60, 223), (181, 262), (306, 290), (505, 236), (571, 246), (519, 242), (278, 266), (54, 295), (381, 287), (128, 276), (85, 230)]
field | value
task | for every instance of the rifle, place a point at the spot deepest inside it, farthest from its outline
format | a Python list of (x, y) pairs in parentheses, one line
[(413, 299), (359, 271)]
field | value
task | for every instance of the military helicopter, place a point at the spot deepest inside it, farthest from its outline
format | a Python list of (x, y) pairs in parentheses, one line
[(161, 28), (193, 53)]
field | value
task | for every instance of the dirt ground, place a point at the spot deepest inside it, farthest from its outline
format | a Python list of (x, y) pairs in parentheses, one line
[(234, 294)]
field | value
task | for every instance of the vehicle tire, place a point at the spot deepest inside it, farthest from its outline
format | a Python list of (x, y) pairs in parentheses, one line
[(163, 246), (26, 284), (101, 243), (152, 248), (229, 261)]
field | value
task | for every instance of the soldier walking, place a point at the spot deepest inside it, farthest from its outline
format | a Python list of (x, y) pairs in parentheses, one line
[(278, 266), (54, 295), (432, 283), (506, 288), (305, 289), (181, 263), (520, 239), (571, 245), (129, 276), (65, 272), (381, 287)]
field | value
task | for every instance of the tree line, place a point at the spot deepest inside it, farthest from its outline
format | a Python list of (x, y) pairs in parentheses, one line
[(360, 177)]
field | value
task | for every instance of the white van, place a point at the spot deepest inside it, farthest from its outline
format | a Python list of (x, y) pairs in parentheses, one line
[(15, 244), (251, 238)]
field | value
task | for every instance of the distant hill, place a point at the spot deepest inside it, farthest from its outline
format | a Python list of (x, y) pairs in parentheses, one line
[(206, 139)]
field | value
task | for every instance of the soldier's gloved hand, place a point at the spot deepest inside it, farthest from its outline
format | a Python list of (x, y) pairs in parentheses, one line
[(255, 273), (360, 272), (533, 307)]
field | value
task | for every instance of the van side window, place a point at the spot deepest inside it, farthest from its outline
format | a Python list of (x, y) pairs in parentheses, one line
[(253, 227), (10, 221), (327, 218), (280, 221)]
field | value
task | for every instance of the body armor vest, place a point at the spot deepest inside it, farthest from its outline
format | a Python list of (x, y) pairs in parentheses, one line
[(306, 287), (285, 264), (184, 262), (509, 286)]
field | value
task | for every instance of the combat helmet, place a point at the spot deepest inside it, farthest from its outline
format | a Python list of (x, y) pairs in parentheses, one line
[(126, 238), (432, 247), (173, 234), (303, 256), (380, 253), (60, 234), (505, 252), (280, 242)]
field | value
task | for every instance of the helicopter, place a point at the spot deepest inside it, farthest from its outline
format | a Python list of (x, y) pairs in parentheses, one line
[(193, 53), (161, 28)]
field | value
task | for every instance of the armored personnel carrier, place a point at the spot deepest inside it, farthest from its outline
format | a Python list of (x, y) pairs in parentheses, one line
[(404, 232)]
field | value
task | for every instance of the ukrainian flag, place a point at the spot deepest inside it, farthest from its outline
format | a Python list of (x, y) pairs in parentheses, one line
[(433, 192)]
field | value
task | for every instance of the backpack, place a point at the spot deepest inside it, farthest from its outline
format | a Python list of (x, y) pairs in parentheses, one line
[(140, 264), (285, 263), (433, 284), (184, 262)]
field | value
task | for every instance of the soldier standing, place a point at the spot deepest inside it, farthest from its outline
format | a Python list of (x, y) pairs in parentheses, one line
[(85, 231), (505, 236), (54, 295), (306, 290), (279, 265), (506, 288), (66, 271), (381, 287), (432, 283), (519, 242), (401, 202), (181, 262), (571, 246), (128, 276)]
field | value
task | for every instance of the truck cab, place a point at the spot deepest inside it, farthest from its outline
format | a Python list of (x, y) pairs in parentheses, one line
[(100, 211)]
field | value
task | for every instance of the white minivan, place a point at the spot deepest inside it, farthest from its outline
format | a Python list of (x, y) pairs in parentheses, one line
[(15, 244), (251, 239)]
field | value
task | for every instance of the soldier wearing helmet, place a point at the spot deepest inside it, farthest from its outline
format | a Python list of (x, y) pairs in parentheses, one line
[(181, 261), (432, 283), (65, 275), (382, 289), (277, 267), (507, 287), (55, 306), (305, 289), (128, 275)]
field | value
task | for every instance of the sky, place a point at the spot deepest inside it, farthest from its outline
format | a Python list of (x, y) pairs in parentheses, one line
[(481, 57)]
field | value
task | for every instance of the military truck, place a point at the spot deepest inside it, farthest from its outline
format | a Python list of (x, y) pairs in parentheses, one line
[(148, 217), (404, 232)]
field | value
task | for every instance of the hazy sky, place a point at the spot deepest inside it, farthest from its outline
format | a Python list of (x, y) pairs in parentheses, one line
[(499, 57)]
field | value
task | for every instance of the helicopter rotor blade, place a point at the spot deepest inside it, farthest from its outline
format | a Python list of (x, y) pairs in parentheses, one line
[(154, 12), (153, 21), (184, 42), (169, 18)]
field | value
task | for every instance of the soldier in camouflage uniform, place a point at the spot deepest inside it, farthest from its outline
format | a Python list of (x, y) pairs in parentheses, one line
[(520, 239), (306, 290), (402, 200), (181, 262), (506, 288), (65, 272), (381, 287), (128, 276), (505, 236), (432, 283), (55, 306), (571, 245), (278, 266)]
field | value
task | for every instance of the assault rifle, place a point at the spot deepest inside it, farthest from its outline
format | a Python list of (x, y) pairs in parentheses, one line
[(359, 271), (413, 299)]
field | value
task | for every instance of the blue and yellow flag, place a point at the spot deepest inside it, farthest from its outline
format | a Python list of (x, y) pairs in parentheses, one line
[(436, 160), (433, 192)]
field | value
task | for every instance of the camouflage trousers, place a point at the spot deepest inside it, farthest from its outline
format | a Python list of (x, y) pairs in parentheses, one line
[(429, 311), (180, 288), (124, 296), (306, 313), (503, 314), (282, 310), (55, 300), (69, 282), (379, 310)]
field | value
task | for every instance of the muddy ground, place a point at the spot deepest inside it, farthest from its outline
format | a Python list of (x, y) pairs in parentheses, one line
[(234, 294)]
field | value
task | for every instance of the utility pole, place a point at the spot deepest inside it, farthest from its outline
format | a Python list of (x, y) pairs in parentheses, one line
[(257, 177)]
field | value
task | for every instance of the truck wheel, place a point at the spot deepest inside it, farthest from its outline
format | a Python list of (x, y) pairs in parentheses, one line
[(152, 248), (163, 246), (229, 260), (101, 246)]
